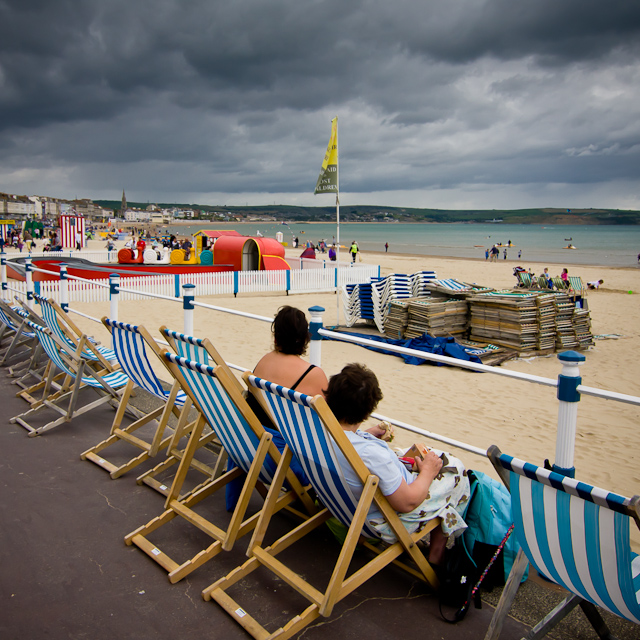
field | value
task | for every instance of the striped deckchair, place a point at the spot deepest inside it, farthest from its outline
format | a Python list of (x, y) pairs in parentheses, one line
[(23, 341), (314, 436), (61, 326), (559, 283), (199, 350), (106, 384), (576, 285), (577, 536), (247, 443), (525, 279), (130, 344)]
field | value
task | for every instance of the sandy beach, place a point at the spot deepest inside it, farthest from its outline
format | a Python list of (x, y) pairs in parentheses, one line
[(477, 408)]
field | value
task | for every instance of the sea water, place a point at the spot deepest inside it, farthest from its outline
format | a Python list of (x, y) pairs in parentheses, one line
[(615, 245)]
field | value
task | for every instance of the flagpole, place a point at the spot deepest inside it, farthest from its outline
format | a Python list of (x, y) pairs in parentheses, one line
[(328, 181)]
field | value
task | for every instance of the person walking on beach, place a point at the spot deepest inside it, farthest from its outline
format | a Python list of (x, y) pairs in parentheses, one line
[(519, 254), (332, 253), (354, 251), (486, 254), (504, 254), (386, 247)]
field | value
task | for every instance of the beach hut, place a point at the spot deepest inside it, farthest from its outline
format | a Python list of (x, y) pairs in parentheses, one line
[(72, 231), (249, 254)]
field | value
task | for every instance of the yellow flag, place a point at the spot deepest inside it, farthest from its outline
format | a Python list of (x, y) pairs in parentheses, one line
[(328, 178)]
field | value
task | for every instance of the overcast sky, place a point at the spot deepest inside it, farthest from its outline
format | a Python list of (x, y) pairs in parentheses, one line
[(441, 103)]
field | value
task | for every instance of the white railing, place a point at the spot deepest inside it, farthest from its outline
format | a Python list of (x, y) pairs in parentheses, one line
[(568, 383)]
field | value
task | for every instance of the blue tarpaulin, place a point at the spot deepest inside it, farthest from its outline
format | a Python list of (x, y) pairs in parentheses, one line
[(439, 346)]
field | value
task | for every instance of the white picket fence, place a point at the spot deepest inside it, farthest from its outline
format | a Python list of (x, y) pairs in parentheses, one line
[(305, 280)]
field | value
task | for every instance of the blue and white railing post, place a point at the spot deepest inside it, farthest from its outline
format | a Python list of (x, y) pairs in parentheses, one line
[(28, 272), (315, 324), (568, 395), (114, 295), (188, 295), (64, 288), (3, 270)]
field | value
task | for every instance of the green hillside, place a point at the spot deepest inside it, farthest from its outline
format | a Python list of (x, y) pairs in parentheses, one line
[(380, 214)]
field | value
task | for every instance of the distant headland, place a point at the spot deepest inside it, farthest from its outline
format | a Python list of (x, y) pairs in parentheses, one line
[(367, 213)]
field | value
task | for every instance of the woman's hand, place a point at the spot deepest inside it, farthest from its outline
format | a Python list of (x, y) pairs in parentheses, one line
[(383, 430), (430, 464)]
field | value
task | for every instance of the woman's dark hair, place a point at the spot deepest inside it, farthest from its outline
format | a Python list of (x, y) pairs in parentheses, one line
[(290, 331), (353, 394)]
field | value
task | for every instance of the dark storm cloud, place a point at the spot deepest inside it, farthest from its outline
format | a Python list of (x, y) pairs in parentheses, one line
[(212, 97)]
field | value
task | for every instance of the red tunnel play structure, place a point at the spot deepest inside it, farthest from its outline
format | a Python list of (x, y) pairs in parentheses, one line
[(249, 254)]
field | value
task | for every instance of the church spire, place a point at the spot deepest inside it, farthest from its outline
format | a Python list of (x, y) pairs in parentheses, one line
[(123, 207)]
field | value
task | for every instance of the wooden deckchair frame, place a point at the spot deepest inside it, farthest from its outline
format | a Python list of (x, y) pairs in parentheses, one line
[(224, 540), (198, 349), (109, 383), (160, 415), (61, 325), (340, 585), (23, 342)]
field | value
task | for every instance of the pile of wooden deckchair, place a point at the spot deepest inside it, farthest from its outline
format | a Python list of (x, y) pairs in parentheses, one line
[(505, 318), (437, 317)]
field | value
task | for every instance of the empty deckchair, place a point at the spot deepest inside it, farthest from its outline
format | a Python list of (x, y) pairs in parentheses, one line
[(576, 285), (106, 384), (246, 442), (199, 350), (22, 342), (66, 330), (130, 344), (312, 433), (577, 536)]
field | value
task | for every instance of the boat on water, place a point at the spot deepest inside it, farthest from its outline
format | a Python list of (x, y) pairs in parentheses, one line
[(569, 246)]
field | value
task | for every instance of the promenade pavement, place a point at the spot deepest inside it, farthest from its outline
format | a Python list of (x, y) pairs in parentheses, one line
[(66, 572)]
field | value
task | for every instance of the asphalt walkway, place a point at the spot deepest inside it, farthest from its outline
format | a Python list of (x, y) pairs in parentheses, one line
[(67, 574)]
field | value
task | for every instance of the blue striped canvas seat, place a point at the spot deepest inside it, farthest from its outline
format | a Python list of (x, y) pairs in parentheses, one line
[(9, 323), (129, 349), (114, 379), (233, 430), (191, 348), (575, 534), (74, 379), (307, 437), (217, 395), (50, 316), (131, 345), (314, 436)]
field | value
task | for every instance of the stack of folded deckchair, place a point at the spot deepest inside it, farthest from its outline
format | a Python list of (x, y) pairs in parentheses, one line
[(371, 301), (505, 318), (419, 282), (437, 317), (395, 322), (357, 303), (452, 287), (546, 312), (565, 331), (383, 290), (582, 326)]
